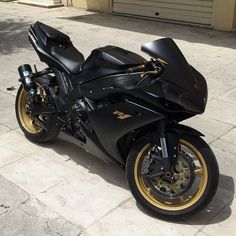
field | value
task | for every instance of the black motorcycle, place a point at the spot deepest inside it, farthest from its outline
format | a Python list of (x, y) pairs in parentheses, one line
[(127, 109)]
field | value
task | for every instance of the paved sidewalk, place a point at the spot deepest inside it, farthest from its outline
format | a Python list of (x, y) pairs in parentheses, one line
[(58, 189)]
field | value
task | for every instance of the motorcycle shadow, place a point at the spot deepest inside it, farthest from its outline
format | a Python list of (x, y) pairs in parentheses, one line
[(13, 29), (70, 151), (218, 210)]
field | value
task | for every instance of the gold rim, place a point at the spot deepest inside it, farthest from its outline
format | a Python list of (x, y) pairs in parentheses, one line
[(146, 190), (26, 120)]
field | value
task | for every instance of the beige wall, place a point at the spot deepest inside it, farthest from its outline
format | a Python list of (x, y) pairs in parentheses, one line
[(234, 24), (224, 14), (93, 5)]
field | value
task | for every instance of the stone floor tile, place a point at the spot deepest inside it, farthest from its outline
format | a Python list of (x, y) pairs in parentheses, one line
[(10, 77), (6, 100), (3, 129), (8, 156), (13, 88), (10, 196), (16, 141), (200, 233), (227, 165), (221, 79), (228, 73), (224, 223), (211, 128), (221, 111), (219, 202), (229, 137), (225, 149), (227, 182), (67, 152), (85, 198), (229, 96), (36, 173), (217, 87), (226, 146), (34, 218), (128, 219), (8, 117)]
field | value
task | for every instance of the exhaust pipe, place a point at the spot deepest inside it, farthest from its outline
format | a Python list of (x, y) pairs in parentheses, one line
[(26, 75)]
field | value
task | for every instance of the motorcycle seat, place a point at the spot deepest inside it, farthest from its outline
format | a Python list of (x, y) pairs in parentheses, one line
[(59, 46), (53, 34), (69, 56)]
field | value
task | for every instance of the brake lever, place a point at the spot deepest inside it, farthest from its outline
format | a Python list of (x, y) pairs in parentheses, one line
[(145, 75), (162, 62), (153, 72)]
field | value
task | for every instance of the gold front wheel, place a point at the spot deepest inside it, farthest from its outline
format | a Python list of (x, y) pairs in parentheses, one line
[(193, 183)]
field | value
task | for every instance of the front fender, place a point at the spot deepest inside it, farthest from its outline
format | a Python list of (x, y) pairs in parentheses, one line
[(183, 129), (174, 132)]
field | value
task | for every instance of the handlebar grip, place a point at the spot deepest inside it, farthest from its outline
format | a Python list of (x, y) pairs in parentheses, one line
[(136, 69)]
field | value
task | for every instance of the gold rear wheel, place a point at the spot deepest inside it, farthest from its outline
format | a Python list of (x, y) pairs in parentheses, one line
[(24, 113), (192, 185), (32, 127)]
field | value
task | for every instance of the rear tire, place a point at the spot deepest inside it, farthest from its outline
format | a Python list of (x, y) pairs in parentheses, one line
[(208, 177), (32, 130)]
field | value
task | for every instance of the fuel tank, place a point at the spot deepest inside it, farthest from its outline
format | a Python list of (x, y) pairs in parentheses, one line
[(108, 60)]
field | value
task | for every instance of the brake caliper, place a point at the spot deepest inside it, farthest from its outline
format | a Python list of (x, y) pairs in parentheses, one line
[(152, 165)]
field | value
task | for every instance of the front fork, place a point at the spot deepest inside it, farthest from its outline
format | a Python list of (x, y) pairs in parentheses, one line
[(164, 149), (169, 142), (166, 157)]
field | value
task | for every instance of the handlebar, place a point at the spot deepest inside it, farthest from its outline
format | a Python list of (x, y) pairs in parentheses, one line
[(152, 67), (139, 68), (154, 72)]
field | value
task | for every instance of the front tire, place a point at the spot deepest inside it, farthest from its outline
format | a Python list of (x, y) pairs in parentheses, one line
[(169, 200), (33, 131)]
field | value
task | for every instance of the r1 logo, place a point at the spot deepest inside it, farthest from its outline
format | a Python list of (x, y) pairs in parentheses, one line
[(120, 115)]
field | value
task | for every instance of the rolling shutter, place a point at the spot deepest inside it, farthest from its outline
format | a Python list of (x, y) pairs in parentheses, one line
[(192, 11)]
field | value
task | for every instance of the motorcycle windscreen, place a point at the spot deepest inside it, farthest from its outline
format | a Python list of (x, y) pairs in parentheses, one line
[(178, 75), (177, 66)]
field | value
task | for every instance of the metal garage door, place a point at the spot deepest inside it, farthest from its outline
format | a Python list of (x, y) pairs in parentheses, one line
[(193, 11)]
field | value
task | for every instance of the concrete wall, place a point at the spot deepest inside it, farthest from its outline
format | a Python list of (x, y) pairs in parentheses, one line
[(93, 5), (234, 24), (45, 3), (224, 14)]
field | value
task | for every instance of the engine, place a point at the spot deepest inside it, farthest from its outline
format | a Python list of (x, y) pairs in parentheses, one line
[(77, 116)]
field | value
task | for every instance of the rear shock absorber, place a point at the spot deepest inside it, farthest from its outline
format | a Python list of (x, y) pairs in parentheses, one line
[(26, 78)]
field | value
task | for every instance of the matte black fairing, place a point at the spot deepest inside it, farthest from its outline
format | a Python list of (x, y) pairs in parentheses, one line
[(110, 126), (194, 101), (181, 83)]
